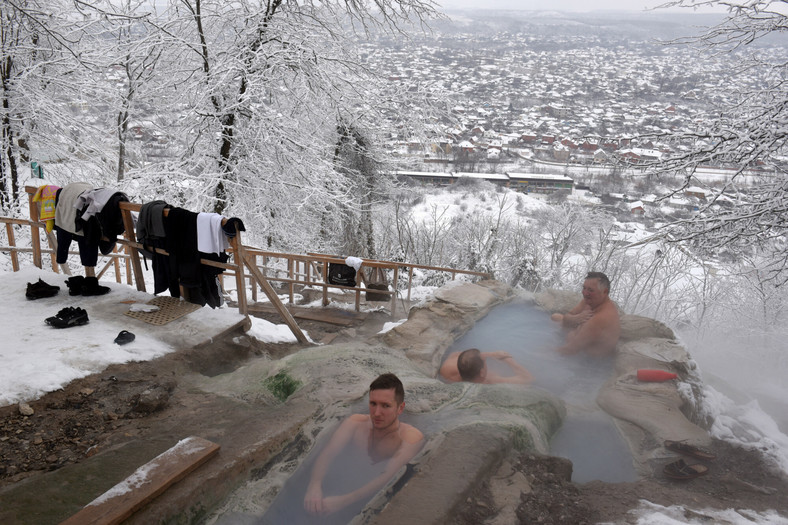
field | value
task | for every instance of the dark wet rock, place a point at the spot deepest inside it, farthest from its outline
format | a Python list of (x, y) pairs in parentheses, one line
[(152, 400)]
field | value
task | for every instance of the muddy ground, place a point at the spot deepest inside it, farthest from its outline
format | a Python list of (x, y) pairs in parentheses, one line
[(104, 409)]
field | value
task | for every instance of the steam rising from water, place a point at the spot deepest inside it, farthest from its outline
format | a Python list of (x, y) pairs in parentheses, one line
[(588, 437)]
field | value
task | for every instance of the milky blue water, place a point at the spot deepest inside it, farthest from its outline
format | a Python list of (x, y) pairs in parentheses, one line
[(350, 470), (588, 437)]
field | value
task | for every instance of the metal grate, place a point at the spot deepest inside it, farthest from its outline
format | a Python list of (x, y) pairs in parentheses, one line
[(170, 309)]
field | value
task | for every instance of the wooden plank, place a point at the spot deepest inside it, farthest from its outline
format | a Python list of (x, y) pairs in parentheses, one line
[(53, 253), (280, 308), (131, 247), (241, 326), (323, 315), (35, 240), (240, 278), (9, 229), (394, 285), (148, 482)]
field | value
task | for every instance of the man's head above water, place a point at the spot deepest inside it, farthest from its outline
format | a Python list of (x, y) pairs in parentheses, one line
[(389, 381), (471, 365), (596, 289)]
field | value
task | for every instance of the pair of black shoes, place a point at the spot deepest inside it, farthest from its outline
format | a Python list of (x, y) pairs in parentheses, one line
[(78, 285), (41, 290), (68, 317)]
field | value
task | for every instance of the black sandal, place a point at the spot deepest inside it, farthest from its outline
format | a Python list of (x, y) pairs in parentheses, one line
[(124, 337)]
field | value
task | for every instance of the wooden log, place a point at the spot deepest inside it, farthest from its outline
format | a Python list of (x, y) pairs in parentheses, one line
[(148, 482)]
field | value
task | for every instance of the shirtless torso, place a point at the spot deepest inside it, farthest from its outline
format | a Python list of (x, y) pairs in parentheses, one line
[(381, 434), (384, 444), (594, 324)]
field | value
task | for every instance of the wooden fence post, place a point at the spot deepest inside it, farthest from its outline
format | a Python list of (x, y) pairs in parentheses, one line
[(34, 236)]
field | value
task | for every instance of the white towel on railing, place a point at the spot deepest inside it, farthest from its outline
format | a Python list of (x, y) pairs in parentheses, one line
[(210, 236), (354, 262)]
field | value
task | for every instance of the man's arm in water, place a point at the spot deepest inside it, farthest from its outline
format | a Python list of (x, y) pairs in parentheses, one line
[(597, 336), (412, 442), (521, 374), (577, 315), (314, 501)]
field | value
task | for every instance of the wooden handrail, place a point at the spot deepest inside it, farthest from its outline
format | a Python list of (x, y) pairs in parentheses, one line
[(244, 258)]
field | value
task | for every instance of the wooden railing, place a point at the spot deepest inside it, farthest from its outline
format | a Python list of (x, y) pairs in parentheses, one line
[(295, 272)]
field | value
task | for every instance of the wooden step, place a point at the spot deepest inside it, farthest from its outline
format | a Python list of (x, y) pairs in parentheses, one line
[(323, 315), (147, 482)]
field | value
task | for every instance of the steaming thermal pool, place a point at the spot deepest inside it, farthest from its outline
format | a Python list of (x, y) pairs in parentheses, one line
[(588, 436)]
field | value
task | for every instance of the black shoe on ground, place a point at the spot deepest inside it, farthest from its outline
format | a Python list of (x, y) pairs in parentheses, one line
[(68, 317), (75, 285), (124, 337), (91, 286), (41, 290)]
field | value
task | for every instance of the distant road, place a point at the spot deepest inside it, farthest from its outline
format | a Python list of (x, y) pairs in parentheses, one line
[(706, 175)]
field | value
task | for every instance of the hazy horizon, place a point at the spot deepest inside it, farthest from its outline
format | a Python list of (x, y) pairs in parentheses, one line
[(572, 6)]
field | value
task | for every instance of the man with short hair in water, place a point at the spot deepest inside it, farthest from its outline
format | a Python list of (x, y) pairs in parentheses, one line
[(594, 325), (471, 365), (381, 434)]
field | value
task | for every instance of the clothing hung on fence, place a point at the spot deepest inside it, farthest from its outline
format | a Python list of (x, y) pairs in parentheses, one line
[(198, 281), (210, 235), (99, 217), (66, 228), (66, 209), (151, 234), (47, 196), (90, 216)]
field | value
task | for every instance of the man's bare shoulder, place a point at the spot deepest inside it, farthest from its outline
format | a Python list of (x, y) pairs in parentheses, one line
[(608, 311), (358, 418), (410, 434), (448, 369)]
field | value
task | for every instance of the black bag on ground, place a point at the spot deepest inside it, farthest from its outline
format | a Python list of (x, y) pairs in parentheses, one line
[(341, 274)]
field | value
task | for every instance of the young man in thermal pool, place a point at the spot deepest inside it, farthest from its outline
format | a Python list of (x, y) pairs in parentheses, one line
[(471, 365), (594, 326), (381, 434)]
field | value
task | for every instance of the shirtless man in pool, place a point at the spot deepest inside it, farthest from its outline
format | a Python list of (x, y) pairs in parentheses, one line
[(380, 433), (471, 365), (594, 325)]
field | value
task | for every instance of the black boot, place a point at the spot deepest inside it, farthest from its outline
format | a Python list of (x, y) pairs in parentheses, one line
[(92, 287), (75, 285)]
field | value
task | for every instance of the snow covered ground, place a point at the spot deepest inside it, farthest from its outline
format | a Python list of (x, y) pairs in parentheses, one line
[(37, 358)]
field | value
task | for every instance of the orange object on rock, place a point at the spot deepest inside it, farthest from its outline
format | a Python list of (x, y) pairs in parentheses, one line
[(645, 374)]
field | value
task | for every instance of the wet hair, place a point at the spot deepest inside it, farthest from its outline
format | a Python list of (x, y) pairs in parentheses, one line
[(387, 381), (470, 364), (604, 282)]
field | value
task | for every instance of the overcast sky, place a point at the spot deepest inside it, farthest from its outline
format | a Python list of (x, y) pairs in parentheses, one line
[(559, 5)]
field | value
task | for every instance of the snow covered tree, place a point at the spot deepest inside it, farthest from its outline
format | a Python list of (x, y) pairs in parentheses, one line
[(749, 136), (267, 91)]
